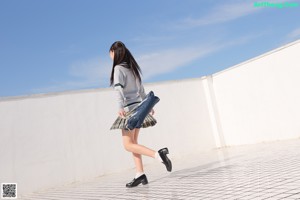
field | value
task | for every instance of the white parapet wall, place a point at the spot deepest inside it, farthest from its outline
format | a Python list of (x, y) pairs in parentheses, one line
[(53, 139), (259, 100)]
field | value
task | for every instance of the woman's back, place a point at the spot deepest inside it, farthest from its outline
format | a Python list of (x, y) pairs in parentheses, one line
[(130, 89)]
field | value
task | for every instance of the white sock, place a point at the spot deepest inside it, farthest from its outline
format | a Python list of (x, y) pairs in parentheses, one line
[(157, 157), (138, 174)]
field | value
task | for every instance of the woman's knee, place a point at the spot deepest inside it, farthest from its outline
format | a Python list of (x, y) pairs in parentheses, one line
[(128, 146)]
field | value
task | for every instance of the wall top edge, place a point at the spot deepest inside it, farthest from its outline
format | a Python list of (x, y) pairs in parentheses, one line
[(41, 95), (51, 94), (257, 57)]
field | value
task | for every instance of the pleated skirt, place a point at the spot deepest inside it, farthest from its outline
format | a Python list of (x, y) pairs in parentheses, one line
[(121, 122)]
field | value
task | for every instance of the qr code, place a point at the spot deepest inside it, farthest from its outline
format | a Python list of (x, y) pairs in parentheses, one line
[(9, 191)]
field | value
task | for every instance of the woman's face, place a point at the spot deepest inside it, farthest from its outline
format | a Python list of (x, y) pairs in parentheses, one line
[(111, 54)]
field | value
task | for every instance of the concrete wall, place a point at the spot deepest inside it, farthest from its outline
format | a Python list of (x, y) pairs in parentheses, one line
[(259, 100), (54, 139), (58, 138)]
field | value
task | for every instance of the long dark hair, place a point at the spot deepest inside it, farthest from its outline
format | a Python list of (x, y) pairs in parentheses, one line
[(122, 54)]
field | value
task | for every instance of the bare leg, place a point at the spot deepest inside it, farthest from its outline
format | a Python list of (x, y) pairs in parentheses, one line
[(137, 157), (132, 146)]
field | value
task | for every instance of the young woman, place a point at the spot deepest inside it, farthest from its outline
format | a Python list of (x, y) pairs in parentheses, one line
[(126, 80)]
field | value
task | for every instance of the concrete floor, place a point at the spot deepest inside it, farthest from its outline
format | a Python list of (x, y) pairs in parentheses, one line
[(260, 171)]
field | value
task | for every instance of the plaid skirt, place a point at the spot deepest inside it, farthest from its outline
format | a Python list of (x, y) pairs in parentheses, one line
[(121, 122)]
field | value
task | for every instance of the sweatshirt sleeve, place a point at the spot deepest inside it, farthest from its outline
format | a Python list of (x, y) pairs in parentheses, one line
[(142, 92), (119, 82)]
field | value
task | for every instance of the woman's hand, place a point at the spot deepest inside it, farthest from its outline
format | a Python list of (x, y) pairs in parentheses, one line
[(121, 112), (152, 112)]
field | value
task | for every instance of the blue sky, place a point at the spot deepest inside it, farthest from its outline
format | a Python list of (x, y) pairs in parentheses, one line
[(60, 45)]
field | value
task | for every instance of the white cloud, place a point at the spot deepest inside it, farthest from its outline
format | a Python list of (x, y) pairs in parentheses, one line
[(295, 34), (291, 36), (91, 73), (92, 69), (221, 13), (164, 61), (59, 86), (94, 72), (171, 59)]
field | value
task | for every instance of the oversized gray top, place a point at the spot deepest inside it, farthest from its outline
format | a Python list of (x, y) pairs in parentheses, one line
[(129, 89)]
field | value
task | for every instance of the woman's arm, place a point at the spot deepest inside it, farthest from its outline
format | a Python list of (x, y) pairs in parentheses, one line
[(119, 82), (142, 92)]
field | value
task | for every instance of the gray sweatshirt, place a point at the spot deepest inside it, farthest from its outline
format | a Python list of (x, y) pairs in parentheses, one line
[(129, 89)]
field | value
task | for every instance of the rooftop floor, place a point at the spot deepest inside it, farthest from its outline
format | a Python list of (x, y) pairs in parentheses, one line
[(260, 171)]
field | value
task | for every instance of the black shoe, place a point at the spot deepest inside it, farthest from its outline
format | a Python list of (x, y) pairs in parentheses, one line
[(163, 154), (135, 182)]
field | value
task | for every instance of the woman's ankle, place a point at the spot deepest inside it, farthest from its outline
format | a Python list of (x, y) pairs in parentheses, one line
[(138, 174)]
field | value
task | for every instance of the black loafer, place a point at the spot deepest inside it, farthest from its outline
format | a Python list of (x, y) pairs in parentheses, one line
[(136, 181), (163, 154)]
